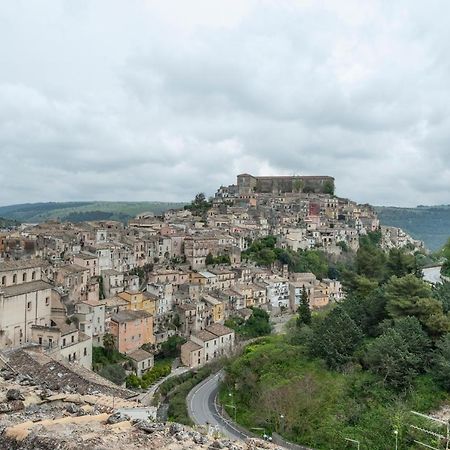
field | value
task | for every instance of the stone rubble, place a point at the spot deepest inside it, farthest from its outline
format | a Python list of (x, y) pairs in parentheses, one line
[(34, 417)]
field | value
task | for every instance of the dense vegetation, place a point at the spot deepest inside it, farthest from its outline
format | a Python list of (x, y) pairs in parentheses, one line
[(258, 324), (108, 362), (445, 253), (76, 211), (427, 223), (174, 391), (264, 253), (150, 377), (360, 367)]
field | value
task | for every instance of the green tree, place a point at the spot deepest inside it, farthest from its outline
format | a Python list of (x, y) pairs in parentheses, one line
[(400, 353), (370, 261), (441, 292), (356, 285), (171, 347), (445, 252), (389, 357), (335, 338), (298, 185), (328, 187), (367, 311), (303, 310), (109, 342), (209, 259), (400, 263), (410, 296), (441, 362)]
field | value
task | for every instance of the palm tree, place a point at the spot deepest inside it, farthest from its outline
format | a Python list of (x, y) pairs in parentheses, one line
[(109, 342)]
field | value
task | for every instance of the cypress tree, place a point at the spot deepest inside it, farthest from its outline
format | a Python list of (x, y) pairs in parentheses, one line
[(303, 310)]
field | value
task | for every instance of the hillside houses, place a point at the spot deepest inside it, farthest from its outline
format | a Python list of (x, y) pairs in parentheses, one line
[(179, 273)]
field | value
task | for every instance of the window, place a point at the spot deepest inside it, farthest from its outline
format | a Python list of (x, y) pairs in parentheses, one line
[(72, 338), (3, 280), (29, 306), (40, 340), (85, 351), (33, 275), (64, 343), (24, 277), (14, 278), (47, 301)]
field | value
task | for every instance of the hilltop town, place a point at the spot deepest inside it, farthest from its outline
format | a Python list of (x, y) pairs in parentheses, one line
[(68, 290)]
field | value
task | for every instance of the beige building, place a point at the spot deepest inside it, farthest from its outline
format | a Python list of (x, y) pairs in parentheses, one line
[(61, 340), (25, 300), (214, 341), (87, 261), (141, 360)]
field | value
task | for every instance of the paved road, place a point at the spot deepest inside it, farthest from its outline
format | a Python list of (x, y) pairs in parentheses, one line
[(147, 397), (203, 408)]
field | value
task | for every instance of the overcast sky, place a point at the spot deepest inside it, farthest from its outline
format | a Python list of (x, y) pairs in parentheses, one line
[(158, 100)]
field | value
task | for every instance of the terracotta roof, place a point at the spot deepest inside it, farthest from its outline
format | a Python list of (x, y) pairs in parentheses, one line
[(25, 288), (129, 316), (191, 346), (219, 329), (21, 264), (205, 335), (140, 355)]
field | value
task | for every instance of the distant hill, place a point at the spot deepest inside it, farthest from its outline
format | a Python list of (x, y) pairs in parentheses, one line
[(430, 224), (7, 223), (82, 211)]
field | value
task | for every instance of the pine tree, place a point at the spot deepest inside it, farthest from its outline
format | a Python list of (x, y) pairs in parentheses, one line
[(303, 310)]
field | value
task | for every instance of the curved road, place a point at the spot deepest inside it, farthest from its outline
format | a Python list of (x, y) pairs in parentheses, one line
[(203, 408)]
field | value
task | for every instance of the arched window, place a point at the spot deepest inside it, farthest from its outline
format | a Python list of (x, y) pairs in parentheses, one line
[(14, 278), (3, 281), (24, 277), (33, 275)]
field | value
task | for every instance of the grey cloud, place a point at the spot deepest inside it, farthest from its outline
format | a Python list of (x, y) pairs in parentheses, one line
[(114, 100)]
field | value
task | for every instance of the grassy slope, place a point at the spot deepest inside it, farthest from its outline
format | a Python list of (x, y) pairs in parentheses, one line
[(430, 224), (39, 212), (321, 407)]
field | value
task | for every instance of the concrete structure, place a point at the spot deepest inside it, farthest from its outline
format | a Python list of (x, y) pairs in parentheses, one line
[(249, 184)]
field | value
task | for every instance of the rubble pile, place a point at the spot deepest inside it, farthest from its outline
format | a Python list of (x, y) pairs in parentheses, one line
[(39, 368), (38, 414)]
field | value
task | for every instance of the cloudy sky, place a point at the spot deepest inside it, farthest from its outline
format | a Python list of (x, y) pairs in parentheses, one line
[(158, 100)]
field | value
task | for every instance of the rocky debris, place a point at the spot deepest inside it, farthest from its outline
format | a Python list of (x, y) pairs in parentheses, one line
[(175, 428), (34, 368), (35, 414), (72, 408), (149, 427), (116, 418), (14, 394)]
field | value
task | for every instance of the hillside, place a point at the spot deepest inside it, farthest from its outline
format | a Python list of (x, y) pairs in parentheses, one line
[(81, 211), (430, 224), (7, 223)]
